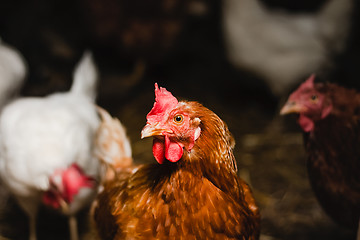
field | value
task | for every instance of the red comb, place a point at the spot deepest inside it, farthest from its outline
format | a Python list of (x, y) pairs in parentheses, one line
[(304, 87), (164, 102), (73, 180), (309, 83)]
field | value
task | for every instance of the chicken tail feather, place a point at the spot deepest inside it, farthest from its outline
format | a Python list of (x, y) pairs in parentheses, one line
[(85, 77), (13, 72)]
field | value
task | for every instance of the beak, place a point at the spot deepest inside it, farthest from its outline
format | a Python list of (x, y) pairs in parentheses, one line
[(153, 130), (291, 107)]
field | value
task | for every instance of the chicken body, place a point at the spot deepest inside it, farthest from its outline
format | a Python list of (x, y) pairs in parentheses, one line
[(298, 44), (193, 193), (43, 137), (13, 70), (329, 115), (334, 166)]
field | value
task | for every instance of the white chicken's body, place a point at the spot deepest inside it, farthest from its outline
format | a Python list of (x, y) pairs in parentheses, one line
[(13, 71), (48, 135), (42, 135), (281, 47)]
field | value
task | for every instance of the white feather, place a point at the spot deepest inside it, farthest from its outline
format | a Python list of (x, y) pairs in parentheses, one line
[(281, 47), (13, 70), (85, 77)]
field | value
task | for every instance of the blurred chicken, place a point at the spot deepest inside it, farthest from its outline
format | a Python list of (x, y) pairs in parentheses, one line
[(329, 116), (193, 192), (13, 70), (113, 147), (280, 47), (46, 148)]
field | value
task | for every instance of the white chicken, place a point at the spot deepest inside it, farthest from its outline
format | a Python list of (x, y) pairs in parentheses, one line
[(13, 70), (46, 148), (280, 47)]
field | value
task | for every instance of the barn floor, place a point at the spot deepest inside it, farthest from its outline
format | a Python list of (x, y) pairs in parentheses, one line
[(269, 148)]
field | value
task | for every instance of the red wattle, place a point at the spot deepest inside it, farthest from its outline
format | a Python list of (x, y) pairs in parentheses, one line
[(158, 150), (173, 150), (306, 123)]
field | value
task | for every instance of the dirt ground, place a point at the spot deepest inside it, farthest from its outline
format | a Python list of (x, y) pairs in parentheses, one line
[(269, 148)]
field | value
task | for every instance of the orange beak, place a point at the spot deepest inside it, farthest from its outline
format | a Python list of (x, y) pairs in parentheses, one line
[(153, 130), (292, 107)]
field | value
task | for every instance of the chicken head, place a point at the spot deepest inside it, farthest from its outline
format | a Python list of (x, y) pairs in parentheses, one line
[(309, 102), (173, 126)]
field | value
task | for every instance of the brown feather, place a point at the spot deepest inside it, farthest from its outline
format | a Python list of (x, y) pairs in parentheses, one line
[(198, 197)]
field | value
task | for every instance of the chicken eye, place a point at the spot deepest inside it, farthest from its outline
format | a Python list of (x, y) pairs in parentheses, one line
[(314, 97), (178, 118)]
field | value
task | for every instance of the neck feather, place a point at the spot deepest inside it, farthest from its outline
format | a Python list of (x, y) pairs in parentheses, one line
[(212, 156)]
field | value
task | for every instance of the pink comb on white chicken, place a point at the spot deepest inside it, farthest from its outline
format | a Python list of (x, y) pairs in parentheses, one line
[(65, 184)]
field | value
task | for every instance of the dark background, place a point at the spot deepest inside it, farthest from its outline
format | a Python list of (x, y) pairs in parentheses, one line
[(192, 64)]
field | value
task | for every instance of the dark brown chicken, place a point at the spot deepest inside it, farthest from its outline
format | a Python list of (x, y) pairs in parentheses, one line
[(330, 117), (193, 192)]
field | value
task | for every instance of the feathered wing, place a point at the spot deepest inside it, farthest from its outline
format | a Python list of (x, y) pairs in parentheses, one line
[(101, 212), (333, 166), (190, 207)]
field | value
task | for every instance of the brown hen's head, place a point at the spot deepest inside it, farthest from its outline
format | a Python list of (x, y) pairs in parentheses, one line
[(173, 125), (310, 103)]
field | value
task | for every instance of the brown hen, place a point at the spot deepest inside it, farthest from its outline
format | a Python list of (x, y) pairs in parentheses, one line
[(193, 192), (330, 118)]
